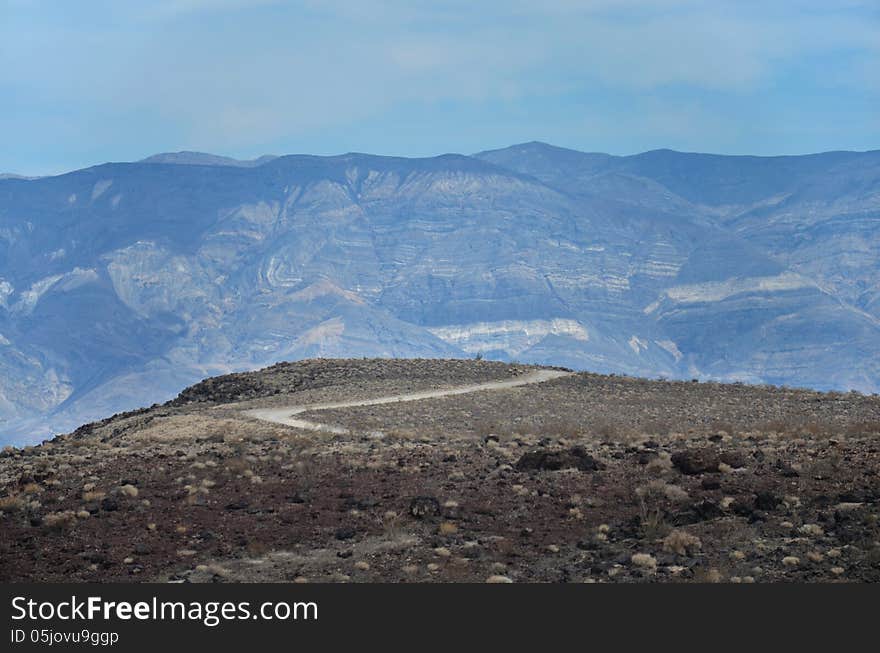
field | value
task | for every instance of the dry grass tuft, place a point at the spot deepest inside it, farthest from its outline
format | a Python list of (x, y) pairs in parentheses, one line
[(60, 520), (682, 543), (128, 490), (12, 503)]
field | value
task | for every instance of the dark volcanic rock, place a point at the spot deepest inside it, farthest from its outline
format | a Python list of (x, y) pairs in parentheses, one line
[(695, 461), (422, 507), (546, 460), (699, 512), (735, 459), (766, 501), (708, 510), (345, 533), (785, 470)]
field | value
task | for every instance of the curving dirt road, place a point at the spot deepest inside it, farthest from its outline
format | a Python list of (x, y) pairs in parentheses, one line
[(286, 415)]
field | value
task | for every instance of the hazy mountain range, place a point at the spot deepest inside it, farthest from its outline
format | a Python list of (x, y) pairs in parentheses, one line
[(122, 283)]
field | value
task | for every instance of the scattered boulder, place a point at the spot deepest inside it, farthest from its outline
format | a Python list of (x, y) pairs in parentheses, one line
[(345, 533), (766, 501), (695, 461), (424, 507), (785, 470), (735, 459), (554, 460), (707, 509), (109, 505), (142, 548)]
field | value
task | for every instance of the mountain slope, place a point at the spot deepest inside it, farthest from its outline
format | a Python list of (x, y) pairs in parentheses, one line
[(122, 283)]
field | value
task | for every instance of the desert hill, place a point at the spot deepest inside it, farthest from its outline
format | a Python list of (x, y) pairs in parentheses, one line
[(545, 476)]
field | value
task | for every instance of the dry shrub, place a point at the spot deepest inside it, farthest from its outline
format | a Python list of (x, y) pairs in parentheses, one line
[(711, 575), (604, 430), (681, 543), (652, 521), (12, 503), (93, 495), (363, 423), (724, 426), (237, 465), (793, 427), (485, 427), (191, 428), (658, 490), (60, 520), (827, 465), (657, 427), (779, 426), (863, 428), (644, 561), (448, 528), (653, 498), (660, 464), (128, 490), (564, 428), (402, 434)]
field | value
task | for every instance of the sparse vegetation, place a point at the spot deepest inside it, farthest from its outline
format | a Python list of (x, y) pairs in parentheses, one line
[(581, 479)]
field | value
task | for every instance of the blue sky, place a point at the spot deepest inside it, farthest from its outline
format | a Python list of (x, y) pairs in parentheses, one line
[(92, 81)]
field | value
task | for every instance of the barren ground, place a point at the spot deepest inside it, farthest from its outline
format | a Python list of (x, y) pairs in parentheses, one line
[(581, 478)]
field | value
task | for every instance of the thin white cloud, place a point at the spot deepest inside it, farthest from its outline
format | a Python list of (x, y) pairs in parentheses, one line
[(225, 74)]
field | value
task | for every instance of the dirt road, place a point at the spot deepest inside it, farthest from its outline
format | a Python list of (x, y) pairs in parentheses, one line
[(287, 414)]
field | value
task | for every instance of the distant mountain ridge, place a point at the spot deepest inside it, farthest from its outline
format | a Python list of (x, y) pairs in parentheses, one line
[(122, 283), (203, 159)]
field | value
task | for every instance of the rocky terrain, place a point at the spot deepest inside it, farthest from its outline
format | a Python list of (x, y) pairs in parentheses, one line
[(583, 478), (122, 283)]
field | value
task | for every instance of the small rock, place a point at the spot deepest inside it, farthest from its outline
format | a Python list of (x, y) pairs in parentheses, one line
[(345, 533), (785, 470), (498, 579)]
